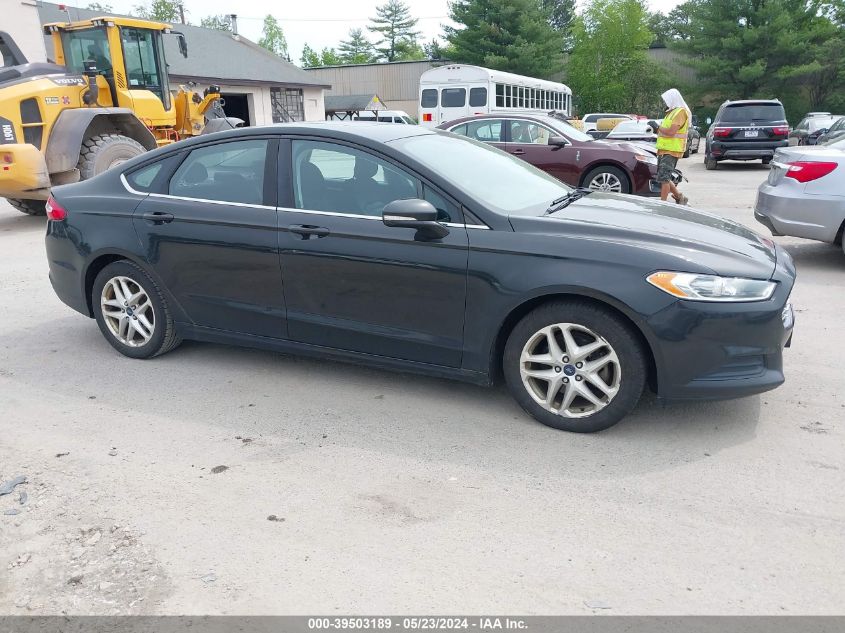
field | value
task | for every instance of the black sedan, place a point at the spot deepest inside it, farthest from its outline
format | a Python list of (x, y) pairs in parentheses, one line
[(418, 250)]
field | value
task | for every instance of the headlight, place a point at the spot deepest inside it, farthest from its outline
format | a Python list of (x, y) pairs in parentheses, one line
[(710, 287), (648, 159)]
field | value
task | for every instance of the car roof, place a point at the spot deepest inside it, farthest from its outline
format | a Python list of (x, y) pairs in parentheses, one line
[(753, 102)]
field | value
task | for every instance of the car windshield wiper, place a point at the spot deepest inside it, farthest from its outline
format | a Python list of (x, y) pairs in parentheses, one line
[(565, 201)]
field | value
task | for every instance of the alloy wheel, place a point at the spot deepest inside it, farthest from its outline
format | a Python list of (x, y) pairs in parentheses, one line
[(127, 311), (605, 181), (570, 370)]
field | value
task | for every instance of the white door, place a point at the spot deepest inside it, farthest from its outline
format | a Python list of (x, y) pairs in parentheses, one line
[(453, 103)]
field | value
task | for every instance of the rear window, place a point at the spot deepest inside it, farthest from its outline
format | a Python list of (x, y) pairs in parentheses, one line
[(751, 112), (453, 97), (429, 98)]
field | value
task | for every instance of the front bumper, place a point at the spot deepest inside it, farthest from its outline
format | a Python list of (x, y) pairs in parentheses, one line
[(745, 150), (23, 172), (786, 210), (720, 351)]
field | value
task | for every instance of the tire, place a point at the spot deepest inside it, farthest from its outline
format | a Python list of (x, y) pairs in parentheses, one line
[(710, 163), (30, 207), (615, 177), (767, 161), (687, 152), (697, 147), (126, 274), (588, 323), (103, 151)]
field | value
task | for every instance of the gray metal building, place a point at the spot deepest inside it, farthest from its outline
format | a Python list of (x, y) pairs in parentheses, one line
[(396, 83)]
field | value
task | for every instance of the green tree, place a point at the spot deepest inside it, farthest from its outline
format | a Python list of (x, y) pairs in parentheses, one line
[(218, 22), (327, 57), (100, 6), (764, 48), (510, 35), (160, 10), (434, 50), (395, 26), (357, 49), (273, 38), (609, 68)]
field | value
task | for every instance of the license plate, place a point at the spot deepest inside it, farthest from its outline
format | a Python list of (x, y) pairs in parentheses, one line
[(752, 133)]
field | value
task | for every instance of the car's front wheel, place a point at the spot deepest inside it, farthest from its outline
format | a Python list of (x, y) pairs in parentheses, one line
[(607, 178), (132, 311), (575, 366)]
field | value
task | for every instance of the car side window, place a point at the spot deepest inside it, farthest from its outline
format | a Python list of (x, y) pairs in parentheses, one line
[(487, 130), (333, 177), (446, 211), (142, 179), (225, 172), (526, 132)]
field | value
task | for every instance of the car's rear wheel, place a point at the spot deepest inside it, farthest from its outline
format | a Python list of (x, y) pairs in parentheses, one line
[(132, 312), (767, 161), (575, 366), (607, 178), (30, 207), (710, 163)]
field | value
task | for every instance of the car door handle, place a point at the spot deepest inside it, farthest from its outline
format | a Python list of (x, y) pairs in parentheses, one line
[(158, 217), (518, 152), (307, 231)]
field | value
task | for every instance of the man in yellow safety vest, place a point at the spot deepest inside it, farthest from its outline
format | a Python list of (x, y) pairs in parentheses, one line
[(671, 143)]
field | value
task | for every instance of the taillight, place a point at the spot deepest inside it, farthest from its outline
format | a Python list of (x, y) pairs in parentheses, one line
[(805, 171), (721, 132), (55, 211), (427, 116), (781, 130)]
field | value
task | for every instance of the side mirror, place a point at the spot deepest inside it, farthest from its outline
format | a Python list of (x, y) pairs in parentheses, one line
[(414, 214), (558, 141), (183, 44)]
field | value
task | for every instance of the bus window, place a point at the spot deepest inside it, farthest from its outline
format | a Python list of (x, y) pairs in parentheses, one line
[(477, 97), (500, 96), (429, 98), (453, 97), (508, 91)]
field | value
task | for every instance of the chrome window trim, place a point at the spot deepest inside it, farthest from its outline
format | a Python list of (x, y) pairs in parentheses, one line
[(129, 188)]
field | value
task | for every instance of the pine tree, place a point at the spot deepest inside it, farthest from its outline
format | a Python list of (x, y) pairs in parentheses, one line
[(309, 58), (786, 48), (357, 49), (273, 38), (511, 35), (395, 26)]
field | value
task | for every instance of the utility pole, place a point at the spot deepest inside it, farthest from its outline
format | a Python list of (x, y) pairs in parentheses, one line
[(182, 12)]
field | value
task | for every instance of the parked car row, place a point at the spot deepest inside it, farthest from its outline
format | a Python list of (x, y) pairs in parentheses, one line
[(815, 127)]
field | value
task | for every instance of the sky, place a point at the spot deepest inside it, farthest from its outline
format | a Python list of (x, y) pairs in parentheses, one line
[(319, 23)]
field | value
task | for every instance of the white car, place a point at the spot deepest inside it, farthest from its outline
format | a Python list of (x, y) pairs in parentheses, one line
[(804, 195), (590, 121), (386, 116)]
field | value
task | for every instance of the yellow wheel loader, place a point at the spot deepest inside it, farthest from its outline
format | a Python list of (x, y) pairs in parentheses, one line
[(106, 99)]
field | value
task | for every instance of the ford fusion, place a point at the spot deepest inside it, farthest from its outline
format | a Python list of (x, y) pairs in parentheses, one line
[(422, 251)]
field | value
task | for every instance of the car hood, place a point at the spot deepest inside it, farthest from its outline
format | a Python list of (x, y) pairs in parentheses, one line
[(695, 240), (635, 147)]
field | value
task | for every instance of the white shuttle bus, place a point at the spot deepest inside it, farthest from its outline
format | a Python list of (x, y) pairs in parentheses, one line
[(457, 90)]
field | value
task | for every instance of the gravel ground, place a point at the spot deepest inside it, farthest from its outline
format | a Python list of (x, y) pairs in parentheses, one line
[(347, 489)]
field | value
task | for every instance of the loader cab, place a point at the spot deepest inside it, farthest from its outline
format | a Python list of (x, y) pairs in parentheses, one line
[(129, 56)]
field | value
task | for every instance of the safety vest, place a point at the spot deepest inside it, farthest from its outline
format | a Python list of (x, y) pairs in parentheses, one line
[(677, 142)]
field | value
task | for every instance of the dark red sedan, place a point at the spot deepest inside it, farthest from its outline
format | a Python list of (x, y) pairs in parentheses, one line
[(565, 152)]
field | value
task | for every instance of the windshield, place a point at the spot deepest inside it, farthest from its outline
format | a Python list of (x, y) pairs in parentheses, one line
[(501, 182), (87, 44), (748, 112), (567, 129)]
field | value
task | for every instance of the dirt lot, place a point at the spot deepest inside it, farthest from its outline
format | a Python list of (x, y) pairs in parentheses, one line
[(347, 489)]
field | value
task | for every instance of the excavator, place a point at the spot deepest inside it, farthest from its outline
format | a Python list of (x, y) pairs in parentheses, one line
[(105, 100)]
